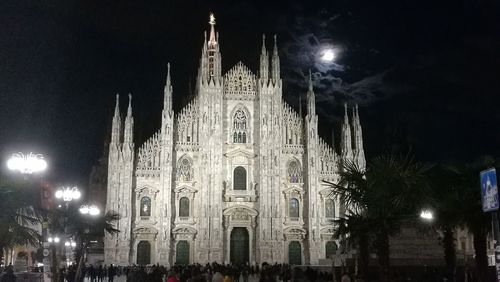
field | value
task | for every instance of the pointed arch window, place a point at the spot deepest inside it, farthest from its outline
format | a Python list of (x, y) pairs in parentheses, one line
[(294, 173), (184, 207), (240, 178), (293, 208), (329, 208), (240, 127), (184, 170), (145, 206)]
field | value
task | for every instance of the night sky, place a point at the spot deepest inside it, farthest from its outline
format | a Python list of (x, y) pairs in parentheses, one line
[(425, 73)]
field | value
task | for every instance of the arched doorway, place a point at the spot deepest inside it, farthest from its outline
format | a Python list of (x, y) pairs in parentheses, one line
[(143, 253), (239, 245), (294, 253), (330, 249), (182, 253)]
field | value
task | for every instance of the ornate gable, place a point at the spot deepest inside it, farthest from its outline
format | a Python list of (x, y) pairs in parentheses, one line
[(186, 124), (148, 160), (240, 83), (293, 127)]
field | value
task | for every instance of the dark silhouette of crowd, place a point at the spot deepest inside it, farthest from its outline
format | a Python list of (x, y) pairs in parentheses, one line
[(213, 272)]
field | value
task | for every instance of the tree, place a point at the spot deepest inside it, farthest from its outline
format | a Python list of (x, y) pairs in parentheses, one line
[(84, 229), (380, 198), (19, 217), (358, 228), (448, 201), (466, 176)]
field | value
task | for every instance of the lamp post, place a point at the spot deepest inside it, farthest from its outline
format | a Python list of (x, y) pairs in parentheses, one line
[(87, 211), (27, 165), (67, 194), (53, 241), (69, 245)]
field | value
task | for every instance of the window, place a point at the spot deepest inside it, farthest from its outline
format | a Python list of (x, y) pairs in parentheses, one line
[(239, 127), (184, 207), (329, 208), (145, 206), (294, 208), (293, 171), (240, 178), (330, 249), (184, 170)]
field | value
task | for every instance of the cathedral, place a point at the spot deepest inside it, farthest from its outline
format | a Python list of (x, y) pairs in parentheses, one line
[(235, 177)]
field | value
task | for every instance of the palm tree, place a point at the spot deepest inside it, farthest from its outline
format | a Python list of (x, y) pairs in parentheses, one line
[(380, 198), (358, 228), (477, 222), (19, 216), (82, 228), (448, 201)]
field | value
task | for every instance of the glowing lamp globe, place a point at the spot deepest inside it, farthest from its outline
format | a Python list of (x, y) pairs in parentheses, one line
[(427, 215), (27, 164)]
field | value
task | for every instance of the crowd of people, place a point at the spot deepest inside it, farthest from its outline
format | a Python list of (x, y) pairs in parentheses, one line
[(207, 273), (213, 272)]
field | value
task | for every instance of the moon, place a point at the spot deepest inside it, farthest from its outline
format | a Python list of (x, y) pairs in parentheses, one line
[(328, 55)]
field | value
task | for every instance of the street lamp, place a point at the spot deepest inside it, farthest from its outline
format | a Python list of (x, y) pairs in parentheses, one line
[(27, 164), (427, 215), (68, 194), (90, 210), (70, 243), (54, 240), (86, 210)]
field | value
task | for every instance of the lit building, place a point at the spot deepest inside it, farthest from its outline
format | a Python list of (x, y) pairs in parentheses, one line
[(235, 176)]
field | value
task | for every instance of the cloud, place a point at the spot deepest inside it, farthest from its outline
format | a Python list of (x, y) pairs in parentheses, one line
[(334, 82)]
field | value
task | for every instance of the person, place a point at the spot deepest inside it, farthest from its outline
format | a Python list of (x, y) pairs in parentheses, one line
[(171, 277), (228, 278), (111, 273), (244, 273), (92, 273), (100, 274), (345, 278), (70, 276), (217, 277), (9, 274)]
